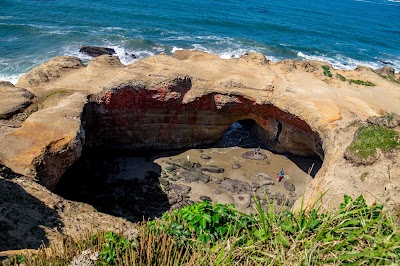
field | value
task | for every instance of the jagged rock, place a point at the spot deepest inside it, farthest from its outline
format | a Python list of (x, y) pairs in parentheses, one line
[(212, 169), (95, 51), (235, 186), (242, 200), (179, 189), (49, 71), (191, 176), (13, 100), (48, 142), (389, 120), (386, 71)]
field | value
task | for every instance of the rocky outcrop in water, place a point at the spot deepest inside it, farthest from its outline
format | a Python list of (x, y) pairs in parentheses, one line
[(95, 51)]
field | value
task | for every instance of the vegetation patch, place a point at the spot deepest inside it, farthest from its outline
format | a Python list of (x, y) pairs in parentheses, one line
[(367, 140), (206, 234), (362, 82), (327, 71), (341, 77)]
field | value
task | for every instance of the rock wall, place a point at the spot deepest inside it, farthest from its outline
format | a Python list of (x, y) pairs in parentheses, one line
[(140, 118)]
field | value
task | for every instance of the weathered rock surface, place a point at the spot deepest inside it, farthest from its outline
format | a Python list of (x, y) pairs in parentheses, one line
[(212, 169), (235, 186), (191, 176), (31, 215), (95, 51), (13, 100), (47, 143), (191, 98)]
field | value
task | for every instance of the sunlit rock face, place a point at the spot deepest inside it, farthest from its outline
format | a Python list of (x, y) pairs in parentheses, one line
[(136, 118)]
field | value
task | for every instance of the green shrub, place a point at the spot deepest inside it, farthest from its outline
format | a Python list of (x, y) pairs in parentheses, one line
[(203, 222), (341, 77), (327, 71), (370, 138), (362, 82)]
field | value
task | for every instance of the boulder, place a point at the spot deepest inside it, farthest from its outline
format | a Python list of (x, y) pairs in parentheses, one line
[(386, 71), (389, 120), (191, 176), (13, 100), (236, 186), (95, 51), (224, 198), (236, 166), (242, 200), (205, 156), (180, 189), (212, 169), (254, 155), (289, 186)]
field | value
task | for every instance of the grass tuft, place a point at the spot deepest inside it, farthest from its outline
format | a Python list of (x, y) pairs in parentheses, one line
[(362, 82), (370, 138), (207, 234)]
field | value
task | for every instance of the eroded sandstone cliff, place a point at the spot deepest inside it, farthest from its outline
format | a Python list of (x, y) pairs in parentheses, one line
[(191, 98)]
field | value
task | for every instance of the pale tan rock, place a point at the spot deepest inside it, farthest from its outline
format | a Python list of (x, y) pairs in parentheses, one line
[(48, 142), (315, 112), (13, 100)]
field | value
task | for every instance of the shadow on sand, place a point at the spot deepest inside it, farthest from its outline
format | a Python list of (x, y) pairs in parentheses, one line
[(128, 184)]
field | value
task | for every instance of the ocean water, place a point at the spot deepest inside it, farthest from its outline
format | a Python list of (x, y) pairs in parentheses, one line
[(345, 33)]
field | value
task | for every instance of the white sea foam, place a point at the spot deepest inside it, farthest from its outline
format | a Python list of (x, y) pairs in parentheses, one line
[(380, 3), (11, 78), (347, 63)]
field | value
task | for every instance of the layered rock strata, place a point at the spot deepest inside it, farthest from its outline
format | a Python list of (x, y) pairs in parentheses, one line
[(191, 98)]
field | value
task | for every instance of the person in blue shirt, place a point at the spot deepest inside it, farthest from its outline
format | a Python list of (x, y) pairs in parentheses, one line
[(281, 175)]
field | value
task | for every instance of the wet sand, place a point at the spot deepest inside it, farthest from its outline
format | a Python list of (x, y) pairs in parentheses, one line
[(250, 171)]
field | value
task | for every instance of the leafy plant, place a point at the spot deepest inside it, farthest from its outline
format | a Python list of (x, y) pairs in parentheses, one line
[(327, 71), (204, 222), (362, 82), (341, 77), (114, 248)]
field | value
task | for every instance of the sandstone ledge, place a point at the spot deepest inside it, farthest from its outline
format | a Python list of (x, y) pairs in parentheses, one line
[(191, 98)]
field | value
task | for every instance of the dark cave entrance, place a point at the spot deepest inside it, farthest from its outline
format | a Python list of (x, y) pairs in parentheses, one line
[(132, 185)]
